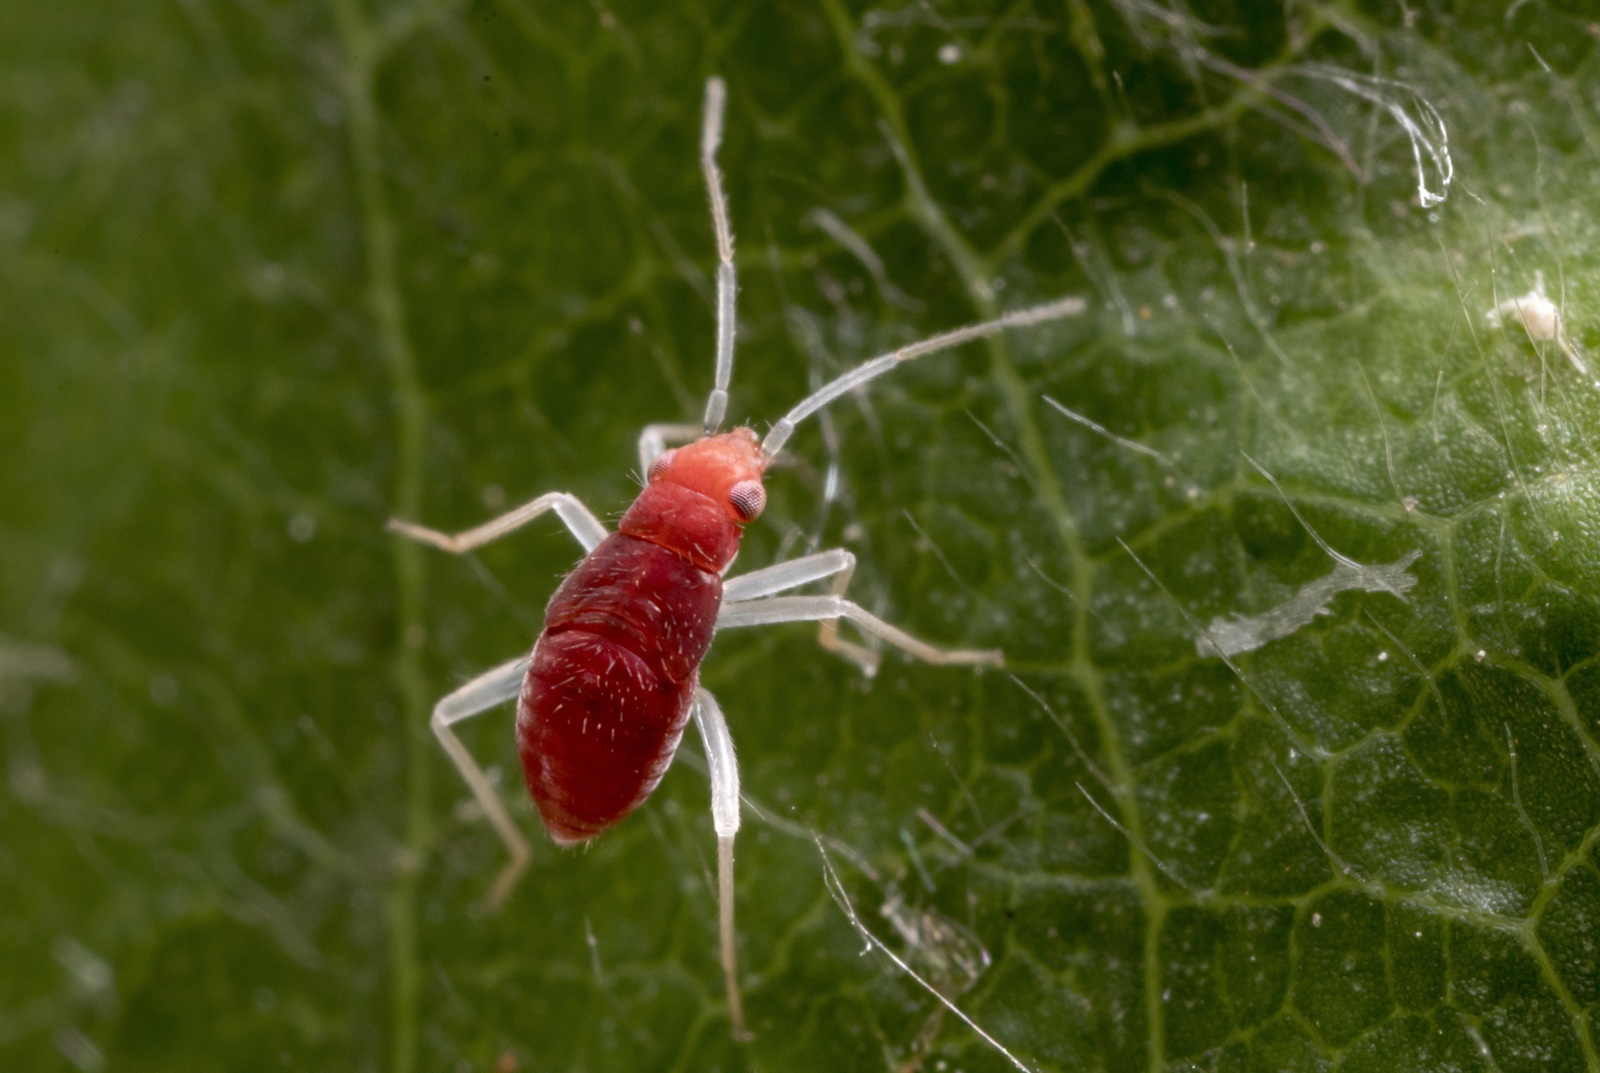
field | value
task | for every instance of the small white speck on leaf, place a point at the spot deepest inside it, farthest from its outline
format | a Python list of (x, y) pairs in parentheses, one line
[(302, 527), (163, 689), (1540, 318)]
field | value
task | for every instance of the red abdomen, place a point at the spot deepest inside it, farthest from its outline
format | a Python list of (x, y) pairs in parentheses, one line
[(612, 679)]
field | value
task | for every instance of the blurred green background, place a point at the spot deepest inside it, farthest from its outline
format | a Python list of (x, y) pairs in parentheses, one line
[(271, 272)]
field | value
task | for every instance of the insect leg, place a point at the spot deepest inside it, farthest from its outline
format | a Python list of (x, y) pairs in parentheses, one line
[(654, 439), (583, 525), (710, 139), (787, 575), (836, 563), (490, 688), (833, 606), (724, 767)]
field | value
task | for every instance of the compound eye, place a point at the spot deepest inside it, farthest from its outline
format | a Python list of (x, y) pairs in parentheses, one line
[(748, 499), (659, 466)]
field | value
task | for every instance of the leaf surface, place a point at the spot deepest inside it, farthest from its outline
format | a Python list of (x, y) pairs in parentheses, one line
[(273, 273)]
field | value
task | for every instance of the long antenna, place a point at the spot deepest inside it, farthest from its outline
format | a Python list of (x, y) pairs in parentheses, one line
[(1063, 307), (710, 139)]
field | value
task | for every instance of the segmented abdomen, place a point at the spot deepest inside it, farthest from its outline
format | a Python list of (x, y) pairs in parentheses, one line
[(613, 675)]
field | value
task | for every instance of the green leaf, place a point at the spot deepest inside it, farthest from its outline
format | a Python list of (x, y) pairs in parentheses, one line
[(273, 273)]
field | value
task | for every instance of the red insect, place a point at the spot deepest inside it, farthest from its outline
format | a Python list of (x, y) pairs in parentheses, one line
[(614, 675)]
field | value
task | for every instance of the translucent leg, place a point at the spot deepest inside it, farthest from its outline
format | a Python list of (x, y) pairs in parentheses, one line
[(710, 140), (479, 695), (583, 525), (837, 564), (787, 575), (724, 768), (821, 608), (654, 439)]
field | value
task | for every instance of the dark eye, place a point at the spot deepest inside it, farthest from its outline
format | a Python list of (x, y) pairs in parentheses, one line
[(747, 498), (659, 466)]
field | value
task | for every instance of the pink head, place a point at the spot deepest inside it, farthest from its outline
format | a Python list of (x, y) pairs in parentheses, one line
[(700, 496), (726, 468)]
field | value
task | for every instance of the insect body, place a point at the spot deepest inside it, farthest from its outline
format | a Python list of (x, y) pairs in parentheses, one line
[(614, 676), (614, 672)]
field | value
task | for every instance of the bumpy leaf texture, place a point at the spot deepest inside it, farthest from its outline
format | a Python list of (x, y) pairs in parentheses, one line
[(1295, 762)]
